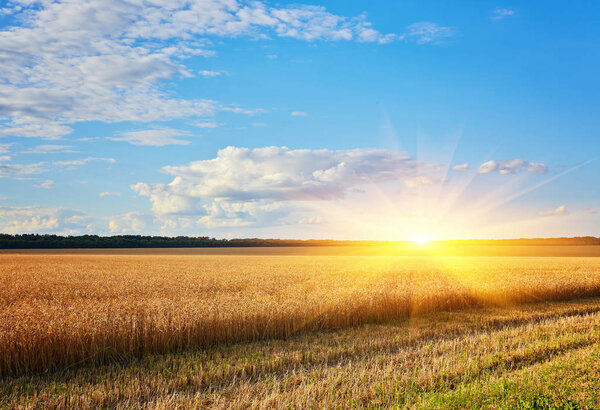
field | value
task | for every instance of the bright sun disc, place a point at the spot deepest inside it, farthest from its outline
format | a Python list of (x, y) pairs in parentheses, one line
[(420, 240)]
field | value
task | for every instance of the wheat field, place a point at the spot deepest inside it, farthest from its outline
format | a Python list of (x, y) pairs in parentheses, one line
[(61, 311)]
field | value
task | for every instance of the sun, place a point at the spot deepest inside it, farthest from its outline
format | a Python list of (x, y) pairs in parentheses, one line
[(420, 240)]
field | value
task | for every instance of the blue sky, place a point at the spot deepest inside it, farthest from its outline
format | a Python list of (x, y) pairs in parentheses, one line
[(333, 119)]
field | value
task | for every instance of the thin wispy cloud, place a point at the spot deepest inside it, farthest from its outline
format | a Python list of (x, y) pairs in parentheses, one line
[(8, 169), (83, 161), (211, 73), (105, 194), (47, 184), (501, 13), (155, 137), (207, 124), (426, 32), (460, 167), (559, 211), (4, 148), (49, 149)]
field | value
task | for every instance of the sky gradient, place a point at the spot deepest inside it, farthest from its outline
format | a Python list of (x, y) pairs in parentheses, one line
[(331, 119)]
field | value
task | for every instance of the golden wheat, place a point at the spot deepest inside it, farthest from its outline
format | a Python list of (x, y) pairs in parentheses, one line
[(58, 311)]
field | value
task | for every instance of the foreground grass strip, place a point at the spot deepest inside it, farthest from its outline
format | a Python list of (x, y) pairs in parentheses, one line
[(437, 360)]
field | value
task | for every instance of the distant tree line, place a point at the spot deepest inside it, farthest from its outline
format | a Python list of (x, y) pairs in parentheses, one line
[(36, 241)]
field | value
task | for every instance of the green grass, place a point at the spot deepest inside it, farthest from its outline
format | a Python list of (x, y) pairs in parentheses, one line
[(530, 357)]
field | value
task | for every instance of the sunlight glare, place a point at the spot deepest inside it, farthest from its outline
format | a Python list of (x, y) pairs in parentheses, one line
[(420, 240)]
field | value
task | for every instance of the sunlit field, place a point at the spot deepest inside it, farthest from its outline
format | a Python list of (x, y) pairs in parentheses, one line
[(62, 311)]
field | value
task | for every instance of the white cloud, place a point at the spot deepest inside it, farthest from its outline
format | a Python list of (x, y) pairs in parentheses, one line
[(41, 220), (49, 149), (460, 167), (87, 139), (155, 137), (105, 194), (211, 73), (4, 148), (426, 32), (129, 223), (83, 161), (501, 13), (299, 114), (207, 124), (241, 185), (21, 169), (512, 166), (32, 219), (244, 111), (47, 184), (29, 127), (5, 158), (105, 60), (312, 220), (227, 214), (560, 211)]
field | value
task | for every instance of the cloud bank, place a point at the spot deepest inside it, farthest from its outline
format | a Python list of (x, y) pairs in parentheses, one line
[(241, 184), (71, 61)]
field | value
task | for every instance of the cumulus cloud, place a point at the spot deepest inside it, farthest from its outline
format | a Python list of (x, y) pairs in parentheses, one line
[(42, 220), (129, 223), (241, 185), (512, 166), (77, 162), (155, 137), (460, 167), (32, 219), (47, 184), (105, 194), (299, 114), (560, 211), (228, 214), (105, 60)]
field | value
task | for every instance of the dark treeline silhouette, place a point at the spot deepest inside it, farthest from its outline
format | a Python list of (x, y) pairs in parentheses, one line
[(35, 241)]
